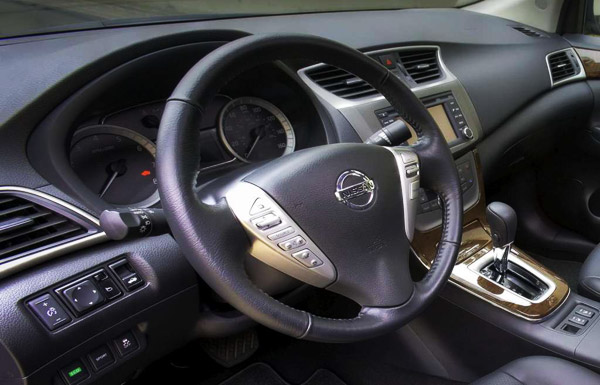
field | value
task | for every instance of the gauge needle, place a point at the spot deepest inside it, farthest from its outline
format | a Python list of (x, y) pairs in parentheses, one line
[(259, 134), (118, 168), (108, 183)]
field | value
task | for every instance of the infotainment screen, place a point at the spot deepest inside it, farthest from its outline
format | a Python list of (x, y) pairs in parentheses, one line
[(445, 111), (441, 118)]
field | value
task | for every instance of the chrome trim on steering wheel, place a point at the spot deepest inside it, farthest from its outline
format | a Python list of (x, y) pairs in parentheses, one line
[(408, 169)]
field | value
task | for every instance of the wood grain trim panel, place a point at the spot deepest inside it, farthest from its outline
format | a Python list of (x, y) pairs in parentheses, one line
[(475, 244), (591, 62)]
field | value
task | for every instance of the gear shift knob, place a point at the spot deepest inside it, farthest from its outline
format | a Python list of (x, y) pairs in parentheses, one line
[(503, 223)]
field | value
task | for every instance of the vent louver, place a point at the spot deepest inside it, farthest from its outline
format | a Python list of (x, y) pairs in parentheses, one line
[(562, 66), (340, 82), (529, 32), (27, 226), (421, 66)]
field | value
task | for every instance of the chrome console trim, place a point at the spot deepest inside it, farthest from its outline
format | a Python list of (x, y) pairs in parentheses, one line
[(15, 265)]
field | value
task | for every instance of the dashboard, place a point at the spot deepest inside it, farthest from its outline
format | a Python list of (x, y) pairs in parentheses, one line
[(80, 132)]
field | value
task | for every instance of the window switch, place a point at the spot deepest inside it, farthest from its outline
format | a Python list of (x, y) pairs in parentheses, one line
[(49, 311)]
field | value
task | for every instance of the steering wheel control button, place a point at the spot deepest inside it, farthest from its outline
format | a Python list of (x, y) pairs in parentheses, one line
[(409, 157), (83, 296), (412, 171), (101, 358), (128, 276), (275, 236), (281, 234), (267, 221), (259, 206), (126, 344), (75, 372), (292, 243), (307, 258), (109, 288), (414, 190), (49, 311)]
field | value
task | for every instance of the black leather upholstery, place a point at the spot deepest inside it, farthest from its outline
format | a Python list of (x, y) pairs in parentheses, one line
[(589, 275), (539, 370), (212, 239)]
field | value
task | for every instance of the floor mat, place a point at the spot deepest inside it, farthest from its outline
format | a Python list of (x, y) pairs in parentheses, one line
[(262, 374)]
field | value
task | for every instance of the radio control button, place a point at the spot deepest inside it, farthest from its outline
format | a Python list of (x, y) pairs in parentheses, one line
[(467, 132), (267, 221), (307, 258), (292, 243), (259, 206), (282, 233)]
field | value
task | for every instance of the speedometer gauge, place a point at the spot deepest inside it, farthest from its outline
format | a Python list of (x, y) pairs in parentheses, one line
[(117, 164), (253, 130)]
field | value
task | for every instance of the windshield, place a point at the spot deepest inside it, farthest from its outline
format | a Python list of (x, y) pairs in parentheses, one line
[(43, 16)]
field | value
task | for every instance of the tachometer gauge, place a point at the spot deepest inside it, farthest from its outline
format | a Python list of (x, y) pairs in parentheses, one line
[(253, 130), (117, 164)]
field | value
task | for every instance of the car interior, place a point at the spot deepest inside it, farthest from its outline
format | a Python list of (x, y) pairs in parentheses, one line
[(368, 192)]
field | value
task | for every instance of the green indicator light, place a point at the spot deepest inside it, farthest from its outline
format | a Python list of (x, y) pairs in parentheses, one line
[(75, 371)]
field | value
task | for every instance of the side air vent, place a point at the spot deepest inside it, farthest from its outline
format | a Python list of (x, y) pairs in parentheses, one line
[(30, 224), (340, 82), (563, 65), (420, 65), (529, 32)]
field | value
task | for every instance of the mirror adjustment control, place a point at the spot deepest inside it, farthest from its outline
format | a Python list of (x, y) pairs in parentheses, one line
[(49, 311), (83, 296)]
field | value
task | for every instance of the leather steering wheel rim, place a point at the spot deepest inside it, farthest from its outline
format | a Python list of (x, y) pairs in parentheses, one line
[(204, 226)]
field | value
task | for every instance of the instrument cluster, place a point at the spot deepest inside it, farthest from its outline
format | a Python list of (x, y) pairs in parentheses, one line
[(115, 159)]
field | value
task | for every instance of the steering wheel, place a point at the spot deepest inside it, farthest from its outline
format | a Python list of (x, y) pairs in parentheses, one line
[(337, 216)]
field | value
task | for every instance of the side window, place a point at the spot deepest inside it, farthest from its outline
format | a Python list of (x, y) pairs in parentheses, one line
[(591, 23)]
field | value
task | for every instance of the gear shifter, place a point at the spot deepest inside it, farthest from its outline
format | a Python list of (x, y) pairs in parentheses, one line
[(503, 224)]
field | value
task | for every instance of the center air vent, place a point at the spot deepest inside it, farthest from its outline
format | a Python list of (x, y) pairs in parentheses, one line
[(421, 65), (340, 82), (29, 224), (563, 65)]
